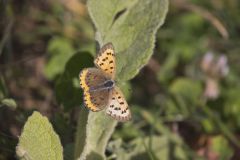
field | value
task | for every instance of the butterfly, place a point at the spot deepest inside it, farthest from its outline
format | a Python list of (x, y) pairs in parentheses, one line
[(99, 88)]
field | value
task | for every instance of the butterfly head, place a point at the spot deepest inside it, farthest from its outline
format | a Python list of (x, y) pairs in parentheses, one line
[(109, 84)]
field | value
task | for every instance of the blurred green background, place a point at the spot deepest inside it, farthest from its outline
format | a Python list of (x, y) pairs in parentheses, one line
[(185, 102)]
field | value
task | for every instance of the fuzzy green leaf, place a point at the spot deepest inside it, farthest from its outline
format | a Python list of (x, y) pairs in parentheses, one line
[(91, 139), (38, 140), (131, 26)]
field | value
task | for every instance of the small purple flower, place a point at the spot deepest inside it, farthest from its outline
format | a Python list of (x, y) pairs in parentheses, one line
[(214, 69)]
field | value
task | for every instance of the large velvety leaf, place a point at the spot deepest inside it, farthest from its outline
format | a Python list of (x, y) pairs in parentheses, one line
[(131, 26), (38, 140)]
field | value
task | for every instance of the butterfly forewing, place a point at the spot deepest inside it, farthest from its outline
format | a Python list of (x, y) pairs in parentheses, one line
[(90, 78), (118, 107), (106, 60)]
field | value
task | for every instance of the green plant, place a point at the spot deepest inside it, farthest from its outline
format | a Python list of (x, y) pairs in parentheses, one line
[(131, 26)]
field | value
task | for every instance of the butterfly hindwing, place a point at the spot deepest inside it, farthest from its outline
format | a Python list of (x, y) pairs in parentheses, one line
[(106, 60), (98, 99), (118, 107)]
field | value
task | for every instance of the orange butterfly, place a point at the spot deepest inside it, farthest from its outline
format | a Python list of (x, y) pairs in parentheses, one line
[(100, 91)]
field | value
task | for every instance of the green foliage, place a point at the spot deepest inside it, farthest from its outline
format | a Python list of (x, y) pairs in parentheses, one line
[(8, 102), (11, 103), (232, 107), (99, 128), (81, 133), (167, 71), (3, 90), (190, 90), (60, 50), (127, 38), (68, 152), (143, 148), (38, 140), (186, 93), (67, 87), (173, 118), (221, 146)]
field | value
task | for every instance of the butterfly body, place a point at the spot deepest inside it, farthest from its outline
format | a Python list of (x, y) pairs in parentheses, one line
[(107, 85), (99, 88)]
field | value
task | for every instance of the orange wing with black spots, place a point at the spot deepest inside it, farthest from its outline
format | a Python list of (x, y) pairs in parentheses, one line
[(91, 77), (118, 107), (106, 60), (98, 99)]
